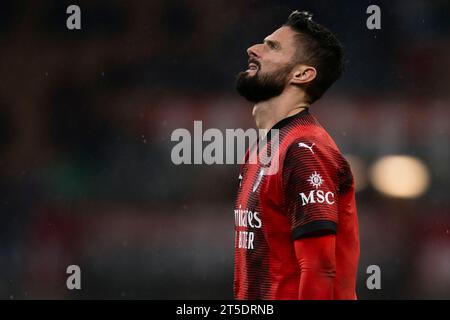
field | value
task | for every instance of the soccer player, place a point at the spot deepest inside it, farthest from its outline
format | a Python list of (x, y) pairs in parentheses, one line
[(296, 233)]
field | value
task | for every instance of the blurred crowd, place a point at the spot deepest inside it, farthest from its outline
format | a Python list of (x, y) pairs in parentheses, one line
[(86, 118)]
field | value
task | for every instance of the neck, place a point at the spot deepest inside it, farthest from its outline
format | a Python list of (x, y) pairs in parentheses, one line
[(268, 113)]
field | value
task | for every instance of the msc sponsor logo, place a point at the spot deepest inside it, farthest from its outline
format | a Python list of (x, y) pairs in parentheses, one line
[(317, 195)]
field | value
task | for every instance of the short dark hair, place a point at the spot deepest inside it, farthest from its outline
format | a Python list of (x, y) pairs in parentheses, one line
[(319, 48)]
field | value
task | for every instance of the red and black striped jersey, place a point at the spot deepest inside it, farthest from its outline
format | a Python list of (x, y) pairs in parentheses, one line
[(309, 191)]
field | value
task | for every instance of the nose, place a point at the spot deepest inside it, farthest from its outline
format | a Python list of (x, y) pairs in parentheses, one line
[(253, 51)]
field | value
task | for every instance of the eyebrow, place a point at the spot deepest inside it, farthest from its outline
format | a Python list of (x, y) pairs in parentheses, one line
[(272, 42)]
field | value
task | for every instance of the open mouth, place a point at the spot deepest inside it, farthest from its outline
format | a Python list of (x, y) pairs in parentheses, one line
[(252, 66)]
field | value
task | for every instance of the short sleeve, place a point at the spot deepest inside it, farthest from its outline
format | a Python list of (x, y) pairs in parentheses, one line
[(310, 188)]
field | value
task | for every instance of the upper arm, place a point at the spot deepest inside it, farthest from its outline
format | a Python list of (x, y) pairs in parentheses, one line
[(310, 190)]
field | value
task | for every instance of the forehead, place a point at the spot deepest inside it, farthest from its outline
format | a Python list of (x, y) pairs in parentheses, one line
[(285, 36)]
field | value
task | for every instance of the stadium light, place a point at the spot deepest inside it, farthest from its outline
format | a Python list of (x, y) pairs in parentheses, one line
[(400, 176)]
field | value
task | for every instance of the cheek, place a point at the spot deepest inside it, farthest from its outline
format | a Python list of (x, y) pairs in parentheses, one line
[(270, 66)]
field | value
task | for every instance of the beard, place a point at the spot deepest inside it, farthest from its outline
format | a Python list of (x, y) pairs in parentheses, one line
[(262, 87)]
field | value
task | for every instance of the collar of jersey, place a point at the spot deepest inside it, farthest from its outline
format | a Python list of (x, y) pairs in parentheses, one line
[(284, 122)]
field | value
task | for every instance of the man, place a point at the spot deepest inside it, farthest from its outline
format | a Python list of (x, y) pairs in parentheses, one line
[(296, 229)]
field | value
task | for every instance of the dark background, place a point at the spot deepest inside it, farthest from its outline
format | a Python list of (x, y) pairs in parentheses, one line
[(86, 117)]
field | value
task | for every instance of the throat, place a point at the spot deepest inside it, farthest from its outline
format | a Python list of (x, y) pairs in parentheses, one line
[(267, 116)]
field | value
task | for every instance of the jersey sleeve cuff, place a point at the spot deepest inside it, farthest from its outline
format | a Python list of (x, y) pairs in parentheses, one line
[(314, 228)]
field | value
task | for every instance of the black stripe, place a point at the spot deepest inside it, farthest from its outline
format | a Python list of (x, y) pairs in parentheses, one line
[(314, 228)]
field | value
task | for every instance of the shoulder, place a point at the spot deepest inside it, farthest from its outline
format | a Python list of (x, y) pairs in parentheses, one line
[(315, 144), (317, 151)]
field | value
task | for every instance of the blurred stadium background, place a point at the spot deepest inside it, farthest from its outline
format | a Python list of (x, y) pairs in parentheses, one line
[(85, 123)]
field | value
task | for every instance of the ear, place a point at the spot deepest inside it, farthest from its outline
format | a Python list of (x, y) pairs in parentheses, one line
[(303, 74)]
